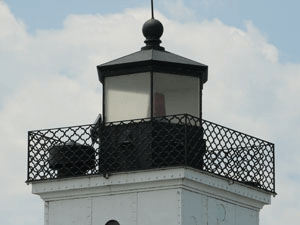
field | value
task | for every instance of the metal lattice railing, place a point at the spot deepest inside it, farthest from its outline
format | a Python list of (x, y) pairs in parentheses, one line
[(178, 140)]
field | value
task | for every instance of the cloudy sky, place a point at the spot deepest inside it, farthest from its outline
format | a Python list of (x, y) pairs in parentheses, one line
[(48, 56)]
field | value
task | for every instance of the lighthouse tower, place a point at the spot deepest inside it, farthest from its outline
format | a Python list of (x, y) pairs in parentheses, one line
[(150, 158)]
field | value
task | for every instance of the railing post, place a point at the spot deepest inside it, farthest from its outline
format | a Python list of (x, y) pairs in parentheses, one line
[(28, 154), (185, 139), (273, 150)]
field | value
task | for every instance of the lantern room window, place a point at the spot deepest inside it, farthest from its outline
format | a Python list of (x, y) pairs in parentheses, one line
[(175, 94), (127, 97)]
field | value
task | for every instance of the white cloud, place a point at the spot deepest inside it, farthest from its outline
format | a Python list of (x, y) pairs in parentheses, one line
[(49, 79), (211, 3), (178, 10), (13, 36)]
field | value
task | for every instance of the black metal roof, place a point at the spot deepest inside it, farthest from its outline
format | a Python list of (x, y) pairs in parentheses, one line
[(155, 61)]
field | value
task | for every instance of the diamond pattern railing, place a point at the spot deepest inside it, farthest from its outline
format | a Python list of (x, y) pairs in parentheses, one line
[(239, 156), (178, 140)]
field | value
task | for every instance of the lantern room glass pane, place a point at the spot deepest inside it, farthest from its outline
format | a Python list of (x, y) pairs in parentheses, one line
[(127, 97), (175, 94)]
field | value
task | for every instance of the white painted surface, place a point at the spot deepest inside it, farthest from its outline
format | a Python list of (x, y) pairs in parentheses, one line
[(245, 216), (180, 196), (121, 207), (72, 211), (159, 207), (194, 208)]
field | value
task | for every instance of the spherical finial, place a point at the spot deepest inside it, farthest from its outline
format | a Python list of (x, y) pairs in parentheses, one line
[(153, 30)]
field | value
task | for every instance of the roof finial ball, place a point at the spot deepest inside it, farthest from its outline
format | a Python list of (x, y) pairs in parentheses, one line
[(153, 30)]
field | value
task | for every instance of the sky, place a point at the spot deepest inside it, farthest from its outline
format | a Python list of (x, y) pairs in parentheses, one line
[(49, 51)]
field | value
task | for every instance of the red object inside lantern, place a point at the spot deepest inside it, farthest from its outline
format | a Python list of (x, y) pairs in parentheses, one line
[(159, 105)]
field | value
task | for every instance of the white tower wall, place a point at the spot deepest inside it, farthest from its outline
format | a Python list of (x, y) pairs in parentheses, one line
[(177, 196)]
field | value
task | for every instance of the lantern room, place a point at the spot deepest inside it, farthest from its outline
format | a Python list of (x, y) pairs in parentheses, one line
[(152, 82)]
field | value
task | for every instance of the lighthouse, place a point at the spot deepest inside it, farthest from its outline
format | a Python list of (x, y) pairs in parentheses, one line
[(150, 158)]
